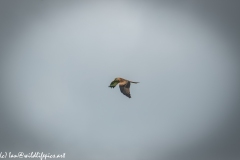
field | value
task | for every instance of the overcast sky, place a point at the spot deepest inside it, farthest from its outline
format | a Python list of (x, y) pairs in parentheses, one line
[(59, 57)]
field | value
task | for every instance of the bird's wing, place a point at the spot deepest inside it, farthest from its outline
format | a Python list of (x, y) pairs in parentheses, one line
[(113, 84), (125, 89)]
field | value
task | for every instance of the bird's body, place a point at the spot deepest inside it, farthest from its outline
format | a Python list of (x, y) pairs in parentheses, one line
[(124, 85)]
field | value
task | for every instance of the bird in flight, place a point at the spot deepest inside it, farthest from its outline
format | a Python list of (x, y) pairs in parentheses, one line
[(124, 85)]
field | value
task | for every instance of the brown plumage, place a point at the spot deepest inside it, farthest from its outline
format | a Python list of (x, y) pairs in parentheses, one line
[(124, 85)]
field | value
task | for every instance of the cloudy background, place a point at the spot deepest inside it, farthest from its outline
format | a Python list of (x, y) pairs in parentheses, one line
[(57, 59)]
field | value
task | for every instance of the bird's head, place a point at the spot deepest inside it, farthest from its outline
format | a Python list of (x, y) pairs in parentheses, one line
[(117, 79)]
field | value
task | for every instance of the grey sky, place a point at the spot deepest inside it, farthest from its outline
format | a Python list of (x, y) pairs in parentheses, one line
[(58, 58)]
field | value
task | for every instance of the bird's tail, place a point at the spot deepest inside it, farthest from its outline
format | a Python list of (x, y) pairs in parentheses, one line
[(134, 82)]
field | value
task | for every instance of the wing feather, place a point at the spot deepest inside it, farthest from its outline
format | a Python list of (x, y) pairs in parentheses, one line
[(125, 89)]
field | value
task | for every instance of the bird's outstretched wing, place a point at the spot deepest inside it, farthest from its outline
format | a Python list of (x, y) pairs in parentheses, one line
[(113, 84), (125, 89)]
